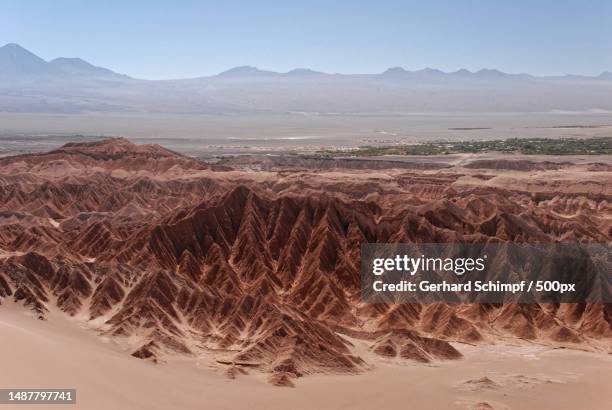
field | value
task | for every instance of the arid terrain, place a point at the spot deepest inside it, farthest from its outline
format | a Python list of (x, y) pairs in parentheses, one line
[(219, 134), (157, 267)]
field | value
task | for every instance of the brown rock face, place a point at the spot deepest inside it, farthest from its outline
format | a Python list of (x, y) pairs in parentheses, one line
[(263, 270)]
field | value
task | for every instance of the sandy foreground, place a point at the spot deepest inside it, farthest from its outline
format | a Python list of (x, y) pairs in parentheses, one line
[(61, 353)]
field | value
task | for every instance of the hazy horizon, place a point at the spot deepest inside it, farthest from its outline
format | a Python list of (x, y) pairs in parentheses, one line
[(295, 69), (155, 41)]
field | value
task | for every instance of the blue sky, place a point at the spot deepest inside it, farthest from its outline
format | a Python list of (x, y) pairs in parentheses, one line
[(171, 39)]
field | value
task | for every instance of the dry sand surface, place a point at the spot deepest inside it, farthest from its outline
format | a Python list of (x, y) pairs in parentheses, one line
[(61, 353)]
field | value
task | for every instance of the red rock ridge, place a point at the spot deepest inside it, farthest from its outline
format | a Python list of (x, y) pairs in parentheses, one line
[(265, 275)]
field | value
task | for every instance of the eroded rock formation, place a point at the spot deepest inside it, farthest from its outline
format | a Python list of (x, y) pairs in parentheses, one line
[(261, 270)]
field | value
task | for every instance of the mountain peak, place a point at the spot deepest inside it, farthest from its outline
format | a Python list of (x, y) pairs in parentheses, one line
[(12, 46), (395, 71), (73, 65), (71, 60), (431, 71), (489, 73), (245, 71), (606, 75), (14, 58), (304, 72), (463, 72)]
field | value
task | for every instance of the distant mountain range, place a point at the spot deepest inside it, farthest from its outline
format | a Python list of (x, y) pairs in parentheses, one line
[(28, 83), (17, 61)]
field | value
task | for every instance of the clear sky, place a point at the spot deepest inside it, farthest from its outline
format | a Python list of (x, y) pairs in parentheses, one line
[(172, 39)]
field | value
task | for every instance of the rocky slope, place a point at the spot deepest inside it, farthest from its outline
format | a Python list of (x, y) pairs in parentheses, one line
[(260, 271)]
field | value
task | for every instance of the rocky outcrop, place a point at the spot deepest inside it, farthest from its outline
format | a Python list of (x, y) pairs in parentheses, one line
[(161, 250)]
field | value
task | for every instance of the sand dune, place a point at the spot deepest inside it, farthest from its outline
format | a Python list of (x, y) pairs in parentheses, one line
[(60, 353)]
